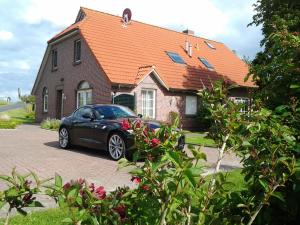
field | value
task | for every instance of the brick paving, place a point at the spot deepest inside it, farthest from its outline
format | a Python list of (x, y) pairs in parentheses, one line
[(31, 148)]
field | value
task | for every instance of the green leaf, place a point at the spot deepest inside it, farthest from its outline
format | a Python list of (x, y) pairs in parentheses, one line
[(22, 212), (73, 193), (278, 195), (173, 156), (295, 86), (136, 171), (67, 220), (12, 193), (246, 144), (58, 180), (35, 204), (264, 184), (189, 177)]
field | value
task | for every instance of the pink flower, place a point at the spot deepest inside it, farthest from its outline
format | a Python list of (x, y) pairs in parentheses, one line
[(121, 211), (80, 181), (125, 125), (136, 180), (138, 124), (145, 187), (92, 187), (155, 142), (100, 193), (67, 186)]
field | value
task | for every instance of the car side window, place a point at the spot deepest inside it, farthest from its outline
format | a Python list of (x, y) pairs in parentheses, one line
[(80, 112), (105, 112)]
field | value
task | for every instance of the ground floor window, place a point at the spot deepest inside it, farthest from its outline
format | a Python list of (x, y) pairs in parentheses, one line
[(45, 100), (84, 94), (191, 105), (148, 103), (245, 102)]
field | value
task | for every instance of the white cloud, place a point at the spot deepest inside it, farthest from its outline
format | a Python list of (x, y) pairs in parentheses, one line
[(5, 35), (13, 65), (205, 17)]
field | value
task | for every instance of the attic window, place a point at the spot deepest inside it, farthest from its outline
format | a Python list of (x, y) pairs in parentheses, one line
[(206, 63), (175, 57), (209, 45)]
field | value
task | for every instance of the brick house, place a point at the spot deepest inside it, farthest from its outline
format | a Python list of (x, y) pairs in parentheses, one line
[(150, 69)]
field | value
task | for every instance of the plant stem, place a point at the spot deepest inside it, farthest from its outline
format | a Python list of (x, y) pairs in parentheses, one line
[(220, 157), (7, 216), (262, 203), (165, 210)]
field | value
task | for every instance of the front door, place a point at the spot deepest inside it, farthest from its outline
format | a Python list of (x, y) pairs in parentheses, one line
[(59, 104)]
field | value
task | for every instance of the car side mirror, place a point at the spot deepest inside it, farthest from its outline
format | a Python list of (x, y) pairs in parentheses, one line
[(140, 115), (88, 116)]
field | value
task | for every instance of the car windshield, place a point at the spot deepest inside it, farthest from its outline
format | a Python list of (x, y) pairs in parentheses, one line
[(114, 112)]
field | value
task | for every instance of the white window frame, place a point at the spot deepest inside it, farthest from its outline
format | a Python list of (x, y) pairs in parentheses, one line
[(242, 100), (186, 105), (83, 92), (154, 103), (45, 100), (75, 50)]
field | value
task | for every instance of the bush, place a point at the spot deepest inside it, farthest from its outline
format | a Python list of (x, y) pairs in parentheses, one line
[(50, 124), (6, 122), (173, 116)]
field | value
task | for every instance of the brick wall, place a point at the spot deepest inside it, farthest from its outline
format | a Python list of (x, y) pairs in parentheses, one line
[(67, 78)]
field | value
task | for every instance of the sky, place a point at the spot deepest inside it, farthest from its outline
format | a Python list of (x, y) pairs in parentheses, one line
[(27, 25)]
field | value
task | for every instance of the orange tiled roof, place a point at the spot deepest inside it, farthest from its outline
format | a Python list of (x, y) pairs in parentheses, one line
[(123, 53)]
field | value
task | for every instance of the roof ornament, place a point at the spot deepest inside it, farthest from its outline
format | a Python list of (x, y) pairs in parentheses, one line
[(126, 17)]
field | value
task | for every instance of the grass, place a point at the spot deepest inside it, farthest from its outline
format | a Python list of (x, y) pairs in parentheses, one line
[(16, 117), (3, 102), (44, 217), (198, 138), (234, 180), (50, 124)]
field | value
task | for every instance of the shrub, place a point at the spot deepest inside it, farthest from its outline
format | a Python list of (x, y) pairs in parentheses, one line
[(50, 124), (6, 122), (173, 116)]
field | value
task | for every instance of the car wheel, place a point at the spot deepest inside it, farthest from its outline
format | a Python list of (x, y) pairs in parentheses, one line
[(116, 146), (64, 139)]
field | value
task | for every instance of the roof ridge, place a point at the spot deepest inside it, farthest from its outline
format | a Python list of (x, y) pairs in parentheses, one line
[(152, 25)]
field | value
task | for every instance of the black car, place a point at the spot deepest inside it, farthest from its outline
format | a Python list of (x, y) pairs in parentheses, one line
[(99, 126)]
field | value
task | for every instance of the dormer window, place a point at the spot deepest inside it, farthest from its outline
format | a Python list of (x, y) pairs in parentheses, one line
[(175, 57), (206, 63), (210, 45), (54, 59), (77, 51)]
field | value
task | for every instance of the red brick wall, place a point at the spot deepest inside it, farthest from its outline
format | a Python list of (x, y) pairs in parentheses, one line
[(67, 78)]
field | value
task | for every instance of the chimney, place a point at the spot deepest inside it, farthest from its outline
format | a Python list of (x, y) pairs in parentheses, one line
[(188, 32), (186, 48), (190, 52)]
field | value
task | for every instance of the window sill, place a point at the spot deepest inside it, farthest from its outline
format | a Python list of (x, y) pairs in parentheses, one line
[(190, 115), (54, 69), (76, 63)]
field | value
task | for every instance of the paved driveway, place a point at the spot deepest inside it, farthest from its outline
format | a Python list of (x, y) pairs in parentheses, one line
[(31, 148)]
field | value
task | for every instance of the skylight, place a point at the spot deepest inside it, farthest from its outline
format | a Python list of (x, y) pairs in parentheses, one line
[(175, 57), (206, 63), (209, 45)]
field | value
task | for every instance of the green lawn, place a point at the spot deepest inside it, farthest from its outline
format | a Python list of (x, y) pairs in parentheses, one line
[(198, 138), (17, 116), (3, 102), (44, 217)]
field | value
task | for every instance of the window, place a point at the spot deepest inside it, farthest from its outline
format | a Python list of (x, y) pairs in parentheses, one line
[(84, 94), (45, 99), (244, 102), (77, 51), (191, 105), (54, 59), (209, 45), (148, 103), (80, 112), (175, 57), (206, 63)]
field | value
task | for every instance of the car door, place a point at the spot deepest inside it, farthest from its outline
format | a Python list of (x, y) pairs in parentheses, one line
[(82, 128)]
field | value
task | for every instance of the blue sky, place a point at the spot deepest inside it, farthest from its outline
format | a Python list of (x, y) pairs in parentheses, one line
[(26, 25)]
